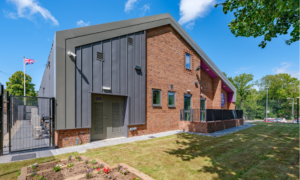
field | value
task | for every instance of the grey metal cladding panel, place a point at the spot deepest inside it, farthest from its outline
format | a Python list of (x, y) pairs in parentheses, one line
[(143, 78), (97, 68), (107, 63), (86, 82), (78, 87), (130, 70), (60, 89), (115, 53), (70, 91), (123, 65), (137, 78)]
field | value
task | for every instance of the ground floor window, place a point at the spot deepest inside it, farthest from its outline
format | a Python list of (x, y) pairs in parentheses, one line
[(187, 107), (202, 109), (171, 99), (156, 97)]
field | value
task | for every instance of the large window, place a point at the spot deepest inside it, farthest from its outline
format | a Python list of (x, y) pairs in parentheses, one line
[(187, 107), (187, 61), (156, 97), (171, 99)]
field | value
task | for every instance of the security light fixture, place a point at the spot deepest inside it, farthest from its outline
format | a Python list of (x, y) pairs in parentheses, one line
[(188, 90), (138, 68), (196, 82), (207, 69), (198, 68), (71, 54), (106, 88), (224, 86)]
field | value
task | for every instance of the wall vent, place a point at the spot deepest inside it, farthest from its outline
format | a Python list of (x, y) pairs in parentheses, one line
[(171, 86), (130, 41), (100, 56)]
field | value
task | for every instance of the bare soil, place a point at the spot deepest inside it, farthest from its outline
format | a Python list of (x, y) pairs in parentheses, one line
[(51, 165), (113, 174)]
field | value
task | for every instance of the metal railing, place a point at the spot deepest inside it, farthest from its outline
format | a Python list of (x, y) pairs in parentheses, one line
[(208, 115)]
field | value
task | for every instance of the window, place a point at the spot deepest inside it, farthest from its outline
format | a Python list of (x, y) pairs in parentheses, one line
[(171, 99), (202, 109), (156, 97), (188, 61), (187, 107)]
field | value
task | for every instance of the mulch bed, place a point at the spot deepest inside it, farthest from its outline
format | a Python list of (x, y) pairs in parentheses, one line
[(113, 175)]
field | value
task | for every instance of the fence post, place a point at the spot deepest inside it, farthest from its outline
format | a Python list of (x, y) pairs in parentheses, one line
[(298, 111), (53, 122), (1, 119), (8, 103)]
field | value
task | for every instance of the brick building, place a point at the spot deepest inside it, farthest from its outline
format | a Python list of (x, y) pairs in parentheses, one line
[(129, 78)]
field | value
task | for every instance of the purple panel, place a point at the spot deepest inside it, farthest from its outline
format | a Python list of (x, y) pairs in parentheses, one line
[(208, 70), (230, 97), (225, 87)]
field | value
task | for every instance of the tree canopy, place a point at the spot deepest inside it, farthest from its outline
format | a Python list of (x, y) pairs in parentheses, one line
[(15, 85), (267, 18)]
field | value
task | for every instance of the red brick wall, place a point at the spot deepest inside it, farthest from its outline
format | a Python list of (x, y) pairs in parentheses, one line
[(209, 127), (231, 105), (68, 137), (165, 66)]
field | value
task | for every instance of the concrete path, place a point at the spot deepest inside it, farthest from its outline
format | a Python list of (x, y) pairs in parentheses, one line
[(46, 152)]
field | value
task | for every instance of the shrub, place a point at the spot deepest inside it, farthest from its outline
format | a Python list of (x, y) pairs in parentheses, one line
[(57, 168)]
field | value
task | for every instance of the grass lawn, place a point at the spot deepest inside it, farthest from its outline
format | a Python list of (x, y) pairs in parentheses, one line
[(264, 151)]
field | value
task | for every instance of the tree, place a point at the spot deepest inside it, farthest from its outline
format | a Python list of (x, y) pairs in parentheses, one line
[(267, 18), (15, 85), (243, 86)]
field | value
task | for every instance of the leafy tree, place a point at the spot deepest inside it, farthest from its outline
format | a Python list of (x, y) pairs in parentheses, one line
[(15, 85), (267, 18)]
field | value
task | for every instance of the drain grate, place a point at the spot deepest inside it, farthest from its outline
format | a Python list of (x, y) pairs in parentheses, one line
[(151, 137), (23, 157)]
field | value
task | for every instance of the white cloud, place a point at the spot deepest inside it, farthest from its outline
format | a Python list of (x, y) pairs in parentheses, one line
[(81, 23), (243, 69), (285, 67), (190, 10), (129, 5), (27, 8), (144, 9)]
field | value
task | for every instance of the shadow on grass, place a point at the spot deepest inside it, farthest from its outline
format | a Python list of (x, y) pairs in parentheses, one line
[(243, 154)]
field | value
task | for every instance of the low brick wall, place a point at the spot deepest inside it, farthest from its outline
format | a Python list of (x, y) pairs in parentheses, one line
[(68, 137), (208, 127)]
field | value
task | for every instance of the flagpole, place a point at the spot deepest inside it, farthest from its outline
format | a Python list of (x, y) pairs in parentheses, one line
[(24, 81)]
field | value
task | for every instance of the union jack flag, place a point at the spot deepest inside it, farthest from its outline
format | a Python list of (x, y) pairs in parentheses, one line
[(29, 61)]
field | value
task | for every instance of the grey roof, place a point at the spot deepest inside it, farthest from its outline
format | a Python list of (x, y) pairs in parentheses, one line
[(90, 34)]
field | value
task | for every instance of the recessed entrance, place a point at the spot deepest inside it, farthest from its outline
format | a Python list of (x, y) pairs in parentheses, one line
[(107, 117)]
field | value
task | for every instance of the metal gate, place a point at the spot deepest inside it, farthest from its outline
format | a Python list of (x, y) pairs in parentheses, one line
[(30, 122)]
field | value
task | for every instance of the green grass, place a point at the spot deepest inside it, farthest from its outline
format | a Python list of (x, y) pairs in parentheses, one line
[(264, 151)]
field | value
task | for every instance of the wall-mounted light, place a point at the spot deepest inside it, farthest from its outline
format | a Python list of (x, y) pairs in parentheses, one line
[(224, 86), (198, 68), (106, 88), (196, 83), (207, 69), (188, 90), (138, 68), (71, 54)]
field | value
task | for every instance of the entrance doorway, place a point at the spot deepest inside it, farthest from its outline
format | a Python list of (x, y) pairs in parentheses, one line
[(107, 117)]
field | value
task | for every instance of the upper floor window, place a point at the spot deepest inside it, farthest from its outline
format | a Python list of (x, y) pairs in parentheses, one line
[(187, 61)]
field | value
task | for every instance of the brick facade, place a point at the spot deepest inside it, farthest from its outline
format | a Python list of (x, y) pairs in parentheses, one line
[(68, 137), (165, 66), (209, 127)]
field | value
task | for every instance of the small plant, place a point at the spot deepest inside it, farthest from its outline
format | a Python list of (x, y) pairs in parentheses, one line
[(70, 157), (86, 161), (106, 170), (78, 158), (89, 173), (39, 177), (57, 161), (57, 168), (70, 165), (33, 173), (122, 170), (34, 166), (93, 162), (101, 166), (135, 178), (95, 167), (100, 171)]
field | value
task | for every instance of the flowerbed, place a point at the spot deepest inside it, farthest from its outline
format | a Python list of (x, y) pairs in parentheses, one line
[(80, 168)]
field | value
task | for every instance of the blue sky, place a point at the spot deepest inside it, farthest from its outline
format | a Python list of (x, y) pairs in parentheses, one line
[(28, 28)]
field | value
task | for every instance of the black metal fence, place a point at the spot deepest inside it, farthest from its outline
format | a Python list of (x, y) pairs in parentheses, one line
[(197, 115)]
